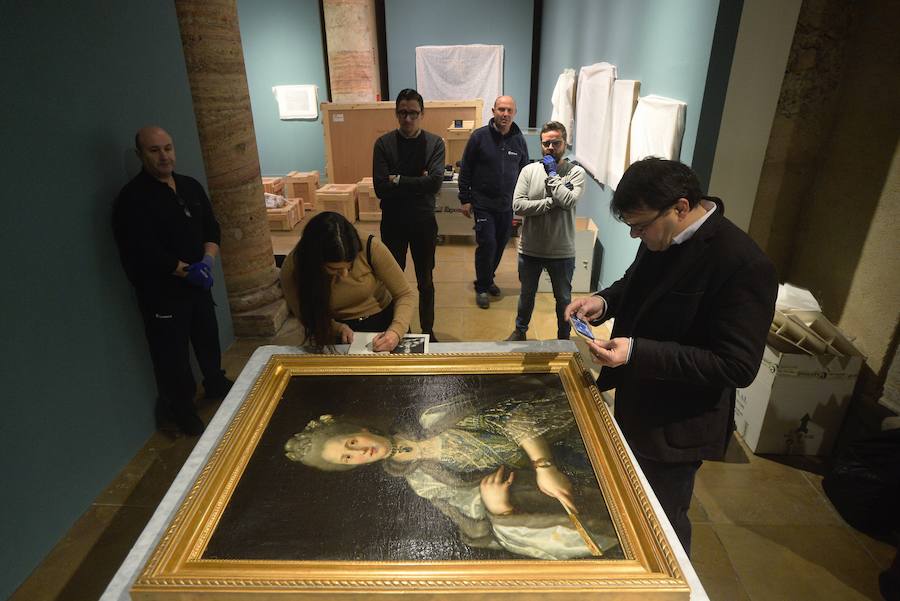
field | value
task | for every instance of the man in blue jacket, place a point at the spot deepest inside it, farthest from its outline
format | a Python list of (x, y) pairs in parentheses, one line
[(489, 169)]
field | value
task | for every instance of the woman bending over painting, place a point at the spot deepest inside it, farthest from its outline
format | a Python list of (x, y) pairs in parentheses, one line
[(336, 284)]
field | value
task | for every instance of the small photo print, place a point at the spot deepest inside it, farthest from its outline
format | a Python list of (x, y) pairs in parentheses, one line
[(409, 344)]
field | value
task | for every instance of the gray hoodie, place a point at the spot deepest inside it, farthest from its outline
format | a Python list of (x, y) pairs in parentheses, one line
[(548, 205)]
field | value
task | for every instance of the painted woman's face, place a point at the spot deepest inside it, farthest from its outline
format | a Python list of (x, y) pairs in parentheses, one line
[(356, 449)]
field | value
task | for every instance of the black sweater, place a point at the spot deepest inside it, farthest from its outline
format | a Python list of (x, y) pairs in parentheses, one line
[(155, 227), (416, 192)]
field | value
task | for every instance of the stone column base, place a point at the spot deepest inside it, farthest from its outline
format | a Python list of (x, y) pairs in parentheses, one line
[(260, 322)]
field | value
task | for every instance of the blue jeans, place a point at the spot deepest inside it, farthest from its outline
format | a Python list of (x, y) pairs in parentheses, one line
[(560, 272), (492, 232)]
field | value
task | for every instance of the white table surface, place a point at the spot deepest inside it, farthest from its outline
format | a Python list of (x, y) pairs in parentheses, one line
[(117, 590)]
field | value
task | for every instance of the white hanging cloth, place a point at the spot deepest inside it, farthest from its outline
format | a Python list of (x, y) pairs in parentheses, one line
[(592, 108), (460, 73), (657, 128), (563, 101), (624, 99)]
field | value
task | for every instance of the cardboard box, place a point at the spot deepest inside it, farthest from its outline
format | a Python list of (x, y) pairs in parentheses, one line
[(797, 402), (340, 198), (302, 184), (286, 217), (368, 204), (585, 238)]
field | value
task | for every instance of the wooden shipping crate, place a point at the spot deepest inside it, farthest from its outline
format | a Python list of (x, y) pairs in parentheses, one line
[(273, 185), (340, 198), (455, 142), (287, 217), (351, 130), (366, 201), (370, 215), (302, 184)]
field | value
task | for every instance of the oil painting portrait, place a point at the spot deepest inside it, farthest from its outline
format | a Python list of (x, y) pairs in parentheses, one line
[(418, 468)]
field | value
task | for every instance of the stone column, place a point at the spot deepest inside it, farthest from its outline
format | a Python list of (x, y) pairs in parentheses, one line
[(211, 39), (352, 40)]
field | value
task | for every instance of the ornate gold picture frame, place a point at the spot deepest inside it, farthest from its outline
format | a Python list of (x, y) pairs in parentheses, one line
[(243, 531)]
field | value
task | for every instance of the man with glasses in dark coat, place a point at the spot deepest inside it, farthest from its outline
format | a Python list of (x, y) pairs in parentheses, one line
[(691, 317)]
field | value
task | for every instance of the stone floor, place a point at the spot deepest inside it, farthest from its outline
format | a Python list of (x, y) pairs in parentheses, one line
[(763, 530)]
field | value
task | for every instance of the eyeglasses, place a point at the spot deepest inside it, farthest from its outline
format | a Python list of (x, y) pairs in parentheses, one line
[(408, 114), (552, 143), (640, 228)]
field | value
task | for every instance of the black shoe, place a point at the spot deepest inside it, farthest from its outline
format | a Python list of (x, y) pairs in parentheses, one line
[(516, 336), (219, 391), (482, 300), (432, 337), (183, 416), (493, 290), (562, 336)]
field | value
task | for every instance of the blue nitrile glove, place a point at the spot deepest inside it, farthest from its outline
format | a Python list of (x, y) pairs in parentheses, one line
[(198, 274), (549, 164)]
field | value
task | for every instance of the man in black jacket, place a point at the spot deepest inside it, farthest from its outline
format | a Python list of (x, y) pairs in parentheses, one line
[(168, 240), (691, 317), (407, 171), (489, 169)]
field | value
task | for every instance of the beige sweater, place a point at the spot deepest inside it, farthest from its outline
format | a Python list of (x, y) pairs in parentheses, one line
[(365, 291)]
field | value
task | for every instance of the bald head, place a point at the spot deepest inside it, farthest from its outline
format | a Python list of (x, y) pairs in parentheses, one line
[(504, 112), (154, 146)]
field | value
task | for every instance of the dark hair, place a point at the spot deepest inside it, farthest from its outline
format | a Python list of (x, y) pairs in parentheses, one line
[(410, 94), (327, 238), (655, 183), (137, 141), (555, 126)]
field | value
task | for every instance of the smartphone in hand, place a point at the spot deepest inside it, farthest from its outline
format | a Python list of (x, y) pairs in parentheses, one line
[(581, 328)]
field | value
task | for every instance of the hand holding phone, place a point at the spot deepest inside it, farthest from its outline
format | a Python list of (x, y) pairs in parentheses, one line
[(581, 328)]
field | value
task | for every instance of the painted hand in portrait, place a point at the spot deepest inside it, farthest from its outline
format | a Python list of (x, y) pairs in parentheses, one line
[(441, 467)]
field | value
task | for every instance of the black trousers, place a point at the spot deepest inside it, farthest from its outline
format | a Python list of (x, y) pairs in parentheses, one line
[(171, 327), (418, 233), (492, 231), (673, 484), (379, 322)]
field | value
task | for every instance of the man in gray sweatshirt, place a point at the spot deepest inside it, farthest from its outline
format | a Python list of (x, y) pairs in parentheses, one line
[(546, 194)]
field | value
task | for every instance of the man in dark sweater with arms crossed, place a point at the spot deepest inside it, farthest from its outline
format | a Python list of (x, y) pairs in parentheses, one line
[(407, 171)]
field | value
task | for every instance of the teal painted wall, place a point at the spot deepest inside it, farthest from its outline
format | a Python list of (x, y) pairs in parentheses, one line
[(664, 44), (411, 23), (282, 42), (78, 388)]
